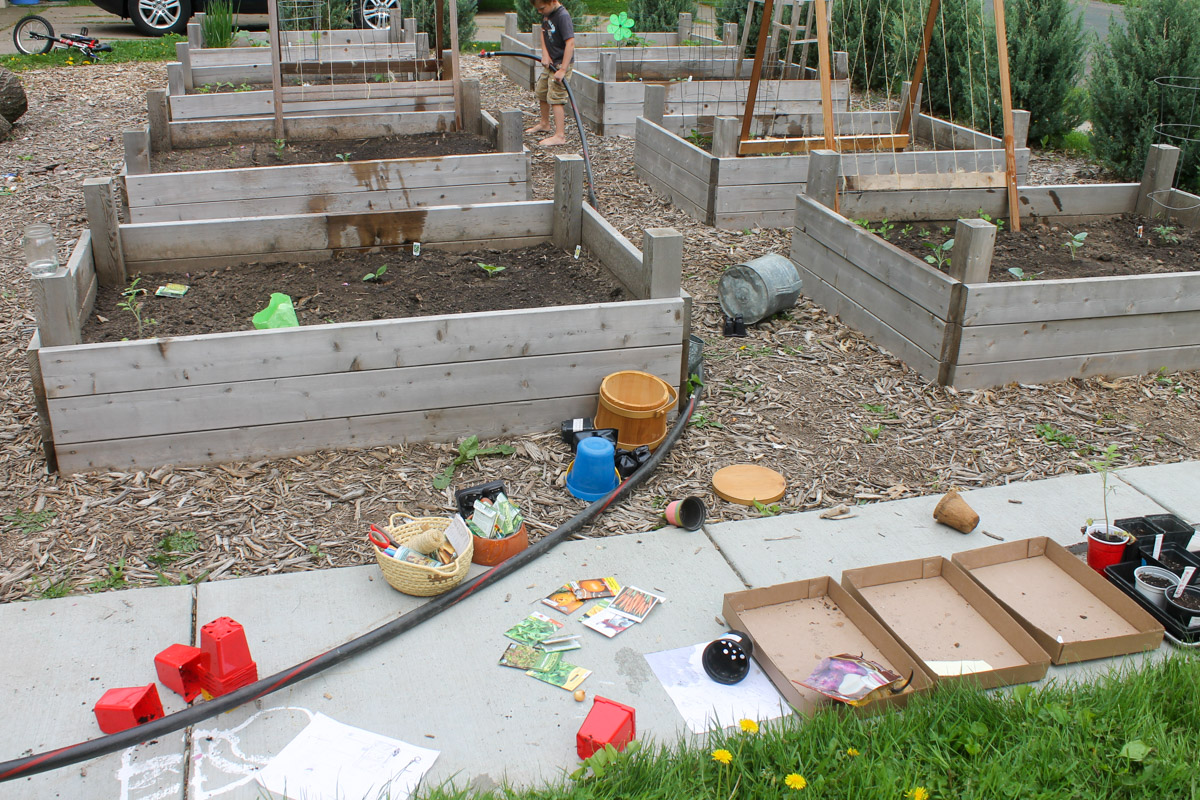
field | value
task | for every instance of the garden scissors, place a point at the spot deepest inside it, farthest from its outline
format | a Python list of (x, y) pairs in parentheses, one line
[(379, 538)]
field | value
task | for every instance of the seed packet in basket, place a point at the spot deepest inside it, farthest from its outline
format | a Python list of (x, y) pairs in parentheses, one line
[(534, 629)]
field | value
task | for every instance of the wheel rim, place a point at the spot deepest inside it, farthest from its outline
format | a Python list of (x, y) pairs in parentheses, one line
[(377, 13), (159, 14), (27, 42)]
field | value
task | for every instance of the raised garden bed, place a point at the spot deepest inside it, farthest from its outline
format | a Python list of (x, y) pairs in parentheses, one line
[(734, 192), (964, 330), (261, 394)]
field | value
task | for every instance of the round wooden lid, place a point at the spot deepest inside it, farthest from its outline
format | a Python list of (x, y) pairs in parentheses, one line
[(745, 483)]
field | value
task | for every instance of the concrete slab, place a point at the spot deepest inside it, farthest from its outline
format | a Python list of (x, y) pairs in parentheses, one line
[(790, 547), (1175, 487), (440, 686), (59, 657)]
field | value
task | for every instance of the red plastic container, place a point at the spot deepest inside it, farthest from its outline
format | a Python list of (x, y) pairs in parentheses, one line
[(179, 668), (1101, 554), (230, 666), (124, 708), (609, 722)]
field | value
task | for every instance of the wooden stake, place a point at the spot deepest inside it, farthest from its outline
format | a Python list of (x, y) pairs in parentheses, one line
[(439, 17), (455, 77), (906, 111), (276, 60), (756, 70), (825, 73), (1010, 153)]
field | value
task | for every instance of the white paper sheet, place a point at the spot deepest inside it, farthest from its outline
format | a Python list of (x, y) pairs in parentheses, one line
[(706, 704), (332, 761)]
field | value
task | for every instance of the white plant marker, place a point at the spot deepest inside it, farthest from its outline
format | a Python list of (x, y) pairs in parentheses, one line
[(1183, 582), (416, 248), (1158, 540)]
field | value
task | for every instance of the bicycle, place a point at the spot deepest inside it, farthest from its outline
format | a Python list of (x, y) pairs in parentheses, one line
[(34, 34)]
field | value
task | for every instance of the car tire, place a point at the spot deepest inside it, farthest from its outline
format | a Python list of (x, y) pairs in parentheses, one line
[(374, 14), (160, 17)]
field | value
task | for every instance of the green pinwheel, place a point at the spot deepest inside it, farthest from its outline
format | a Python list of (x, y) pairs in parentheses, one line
[(620, 26)]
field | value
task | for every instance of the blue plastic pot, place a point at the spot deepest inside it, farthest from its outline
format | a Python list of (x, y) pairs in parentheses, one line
[(593, 473)]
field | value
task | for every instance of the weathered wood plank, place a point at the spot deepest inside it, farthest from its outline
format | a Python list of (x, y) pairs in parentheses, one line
[(313, 350), (672, 178), (1126, 362), (843, 143), (201, 133), (1033, 302), (57, 298), (276, 401), (45, 430), (1036, 201), (681, 153), (315, 99), (738, 220), (103, 218), (616, 252)]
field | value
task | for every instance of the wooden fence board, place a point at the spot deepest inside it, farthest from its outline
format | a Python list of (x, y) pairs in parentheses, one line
[(228, 105), (1128, 362), (416, 341), (673, 178), (682, 153), (201, 133), (1080, 298)]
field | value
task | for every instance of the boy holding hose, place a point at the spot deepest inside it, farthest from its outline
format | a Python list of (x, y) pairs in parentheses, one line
[(556, 38)]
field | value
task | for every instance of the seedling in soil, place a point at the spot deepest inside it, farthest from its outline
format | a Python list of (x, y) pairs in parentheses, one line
[(1053, 435), (698, 139), (58, 588), (946, 229), (999, 223), (882, 410), (872, 432), (30, 522), (941, 253), (1075, 242), (490, 269), (885, 229), (184, 578), (315, 551), (1163, 379), (114, 580), (765, 510), (469, 450), (133, 304), (343, 157), (1022, 275), (1167, 233), (906, 230), (1104, 466), (701, 420), (26, 157), (174, 546), (376, 276), (280, 146)]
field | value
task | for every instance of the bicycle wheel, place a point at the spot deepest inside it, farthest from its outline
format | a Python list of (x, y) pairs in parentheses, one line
[(33, 34)]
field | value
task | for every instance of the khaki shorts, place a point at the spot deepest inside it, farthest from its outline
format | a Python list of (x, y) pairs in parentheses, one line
[(549, 90)]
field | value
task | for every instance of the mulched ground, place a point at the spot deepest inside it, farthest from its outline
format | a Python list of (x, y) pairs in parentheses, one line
[(268, 154), (1111, 247), (434, 282)]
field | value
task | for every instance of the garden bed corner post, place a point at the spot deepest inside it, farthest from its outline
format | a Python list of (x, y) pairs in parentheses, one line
[(103, 221), (567, 231), (662, 259), (1156, 177)]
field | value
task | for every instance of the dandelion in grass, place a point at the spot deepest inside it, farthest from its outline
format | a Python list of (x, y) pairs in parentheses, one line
[(850, 751), (917, 793), (795, 781), (722, 756), (749, 726)]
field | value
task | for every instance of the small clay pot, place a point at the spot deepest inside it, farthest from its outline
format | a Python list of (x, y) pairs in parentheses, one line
[(952, 510)]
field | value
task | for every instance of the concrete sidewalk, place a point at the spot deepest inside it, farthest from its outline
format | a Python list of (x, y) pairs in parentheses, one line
[(439, 686)]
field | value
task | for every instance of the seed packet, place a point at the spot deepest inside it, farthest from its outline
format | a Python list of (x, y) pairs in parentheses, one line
[(635, 603), (563, 599), (596, 608), (595, 587), (533, 629), (609, 623), (564, 676), (561, 645), (522, 656), (171, 290)]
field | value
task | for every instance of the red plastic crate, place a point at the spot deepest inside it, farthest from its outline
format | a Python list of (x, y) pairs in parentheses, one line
[(179, 668), (609, 722), (127, 707)]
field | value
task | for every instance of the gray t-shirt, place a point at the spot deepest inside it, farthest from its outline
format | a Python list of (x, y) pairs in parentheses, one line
[(556, 29)]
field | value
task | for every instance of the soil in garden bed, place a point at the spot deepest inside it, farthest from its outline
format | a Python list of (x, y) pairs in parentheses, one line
[(435, 282), (1112, 247), (266, 154)]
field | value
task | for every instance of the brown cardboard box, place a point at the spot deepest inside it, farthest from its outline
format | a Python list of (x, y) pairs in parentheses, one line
[(940, 615), (1072, 612), (795, 625)]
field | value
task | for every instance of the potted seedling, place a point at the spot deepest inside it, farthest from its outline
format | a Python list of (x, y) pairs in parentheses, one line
[(1106, 543), (1184, 601), (1153, 582)]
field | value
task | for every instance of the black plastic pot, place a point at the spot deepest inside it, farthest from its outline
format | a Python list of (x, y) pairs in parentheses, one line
[(1174, 532), (1121, 576), (1188, 617)]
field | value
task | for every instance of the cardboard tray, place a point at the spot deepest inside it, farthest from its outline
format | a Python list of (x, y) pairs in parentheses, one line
[(940, 615), (795, 625), (1072, 612)]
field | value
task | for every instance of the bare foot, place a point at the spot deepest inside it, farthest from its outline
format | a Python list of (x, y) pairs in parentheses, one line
[(552, 141), (539, 128)]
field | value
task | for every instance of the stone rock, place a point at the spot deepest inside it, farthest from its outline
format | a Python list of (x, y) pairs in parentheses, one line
[(5, 128), (13, 103)]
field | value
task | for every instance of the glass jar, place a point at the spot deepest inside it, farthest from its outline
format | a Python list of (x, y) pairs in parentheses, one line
[(41, 251)]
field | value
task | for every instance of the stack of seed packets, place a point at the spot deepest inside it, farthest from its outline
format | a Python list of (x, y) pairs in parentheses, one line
[(538, 651), (630, 606), (570, 597)]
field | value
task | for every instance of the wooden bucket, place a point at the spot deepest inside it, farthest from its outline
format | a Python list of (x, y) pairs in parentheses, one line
[(636, 404)]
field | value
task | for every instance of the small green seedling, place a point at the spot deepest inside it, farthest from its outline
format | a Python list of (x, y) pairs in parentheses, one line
[(999, 223), (1022, 275), (701, 419), (871, 432), (604, 759), (115, 579), (468, 451), (906, 230), (1104, 465), (1053, 435), (343, 157), (133, 304), (941, 253), (60, 588), (26, 157), (376, 276), (30, 522), (766, 510), (885, 228), (280, 146), (1167, 233), (1075, 242), (490, 269)]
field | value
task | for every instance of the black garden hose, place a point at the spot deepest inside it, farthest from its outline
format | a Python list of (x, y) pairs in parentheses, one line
[(587, 158), (94, 748)]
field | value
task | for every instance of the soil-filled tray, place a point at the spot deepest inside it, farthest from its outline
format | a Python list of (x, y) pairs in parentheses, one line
[(271, 154), (1069, 608), (795, 625), (1121, 576), (434, 282), (1111, 247), (948, 622)]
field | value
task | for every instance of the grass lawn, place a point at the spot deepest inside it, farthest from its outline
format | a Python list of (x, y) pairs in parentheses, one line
[(162, 49), (1130, 735)]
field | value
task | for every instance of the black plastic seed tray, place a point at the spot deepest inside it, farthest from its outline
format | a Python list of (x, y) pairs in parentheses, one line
[(1122, 577)]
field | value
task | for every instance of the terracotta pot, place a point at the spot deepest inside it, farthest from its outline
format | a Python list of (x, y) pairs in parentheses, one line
[(490, 552)]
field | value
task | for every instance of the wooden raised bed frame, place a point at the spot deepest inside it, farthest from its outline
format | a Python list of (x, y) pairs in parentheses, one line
[(263, 394), (960, 330)]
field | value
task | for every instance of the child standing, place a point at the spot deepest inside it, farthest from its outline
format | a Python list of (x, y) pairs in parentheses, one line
[(557, 39)]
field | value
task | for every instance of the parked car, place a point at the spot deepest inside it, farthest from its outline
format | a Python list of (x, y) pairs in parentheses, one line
[(159, 17)]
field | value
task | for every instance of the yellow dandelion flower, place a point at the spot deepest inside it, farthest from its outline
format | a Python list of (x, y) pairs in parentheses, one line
[(724, 757), (917, 793), (850, 751), (749, 726), (795, 781)]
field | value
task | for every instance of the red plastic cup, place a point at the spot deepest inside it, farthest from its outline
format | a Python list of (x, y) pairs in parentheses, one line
[(1101, 554)]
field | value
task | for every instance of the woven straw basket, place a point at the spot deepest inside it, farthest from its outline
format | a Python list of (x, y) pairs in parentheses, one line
[(415, 579)]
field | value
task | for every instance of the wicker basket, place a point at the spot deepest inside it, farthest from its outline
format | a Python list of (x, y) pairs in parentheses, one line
[(415, 579)]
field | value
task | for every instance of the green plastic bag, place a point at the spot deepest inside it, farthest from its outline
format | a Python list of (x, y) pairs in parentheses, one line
[(279, 313)]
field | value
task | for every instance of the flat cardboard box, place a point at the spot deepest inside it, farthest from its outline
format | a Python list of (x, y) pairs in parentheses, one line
[(795, 625), (943, 618), (1072, 612)]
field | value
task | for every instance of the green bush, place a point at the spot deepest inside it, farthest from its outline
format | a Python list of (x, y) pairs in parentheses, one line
[(861, 30), (217, 23), (655, 16), (1159, 38), (316, 15), (423, 12), (527, 15), (1046, 57)]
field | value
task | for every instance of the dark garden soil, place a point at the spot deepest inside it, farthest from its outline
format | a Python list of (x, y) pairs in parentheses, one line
[(1111, 247), (266, 154), (435, 282), (1156, 581), (1187, 600)]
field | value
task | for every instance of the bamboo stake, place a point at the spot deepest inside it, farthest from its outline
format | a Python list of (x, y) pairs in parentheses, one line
[(906, 113), (276, 70), (756, 70), (825, 70), (1010, 153)]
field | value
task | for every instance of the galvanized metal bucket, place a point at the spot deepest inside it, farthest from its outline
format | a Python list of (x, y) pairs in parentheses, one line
[(759, 288)]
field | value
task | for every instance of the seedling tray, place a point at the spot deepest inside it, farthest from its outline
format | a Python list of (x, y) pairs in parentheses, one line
[(1121, 576)]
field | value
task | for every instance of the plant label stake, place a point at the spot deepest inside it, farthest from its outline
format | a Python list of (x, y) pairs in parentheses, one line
[(1158, 541), (1183, 582), (416, 248)]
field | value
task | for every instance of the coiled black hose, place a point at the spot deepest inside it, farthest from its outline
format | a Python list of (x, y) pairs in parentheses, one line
[(587, 158), (94, 748)]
